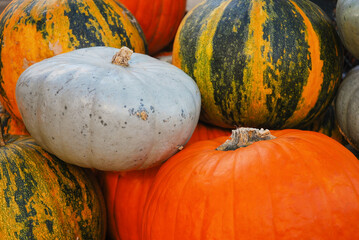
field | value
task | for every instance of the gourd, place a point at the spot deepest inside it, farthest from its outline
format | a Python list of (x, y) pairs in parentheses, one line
[(260, 184), (347, 21), (192, 3), (106, 109), (347, 108), (159, 20), (33, 30), (271, 64), (126, 193), (42, 197), (125, 196)]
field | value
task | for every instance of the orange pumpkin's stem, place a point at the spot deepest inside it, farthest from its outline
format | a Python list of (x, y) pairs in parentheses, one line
[(122, 57), (243, 137)]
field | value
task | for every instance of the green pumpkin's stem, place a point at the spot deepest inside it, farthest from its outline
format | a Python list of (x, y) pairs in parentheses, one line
[(243, 137), (122, 57)]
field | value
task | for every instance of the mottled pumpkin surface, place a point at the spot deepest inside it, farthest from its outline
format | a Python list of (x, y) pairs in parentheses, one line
[(263, 63), (32, 30), (44, 198)]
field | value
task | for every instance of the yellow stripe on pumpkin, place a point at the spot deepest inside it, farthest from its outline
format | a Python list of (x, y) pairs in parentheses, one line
[(202, 69), (312, 89), (257, 51)]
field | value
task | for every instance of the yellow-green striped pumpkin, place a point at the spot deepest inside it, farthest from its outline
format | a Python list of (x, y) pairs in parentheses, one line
[(260, 63), (43, 197), (32, 30)]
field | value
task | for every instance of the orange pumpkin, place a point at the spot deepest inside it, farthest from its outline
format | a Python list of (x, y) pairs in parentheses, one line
[(299, 185), (159, 20), (125, 196), (126, 193), (205, 131)]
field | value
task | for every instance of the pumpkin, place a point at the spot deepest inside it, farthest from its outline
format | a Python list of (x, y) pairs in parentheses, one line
[(126, 192), (287, 184), (271, 64), (159, 20), (328, 6), (192, 3), (125, 196), (132, 113), (347, 107), (10, 125), (205, 131), (42, 197), (347, 21), (327, 124), (33, 30)]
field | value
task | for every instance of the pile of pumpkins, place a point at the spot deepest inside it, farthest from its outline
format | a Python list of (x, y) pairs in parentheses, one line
[(242, 135)]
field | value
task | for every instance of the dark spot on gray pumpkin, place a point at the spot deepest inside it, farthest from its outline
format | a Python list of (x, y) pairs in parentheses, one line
[(53, 138), (124, 106), (141, 99), (152, 109), (65, 107), (90, 115), (125, 122), (159, 132)]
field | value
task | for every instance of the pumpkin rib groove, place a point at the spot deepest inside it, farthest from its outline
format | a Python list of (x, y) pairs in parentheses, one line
[(270, 192)]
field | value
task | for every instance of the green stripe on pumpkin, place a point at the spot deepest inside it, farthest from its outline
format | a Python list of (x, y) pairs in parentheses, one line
[(45, 197), (259, 63)]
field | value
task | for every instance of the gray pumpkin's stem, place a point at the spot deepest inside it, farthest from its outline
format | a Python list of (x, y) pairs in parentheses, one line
[(243, 137), (122, 57)]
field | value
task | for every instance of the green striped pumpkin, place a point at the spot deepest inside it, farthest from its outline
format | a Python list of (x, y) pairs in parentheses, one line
[(42, 197), (33, 30), (260, 63)]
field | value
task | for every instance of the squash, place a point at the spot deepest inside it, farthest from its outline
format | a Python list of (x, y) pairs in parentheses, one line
[(192, 3), (33, 30), (159, 20), (270, 64), (347, 21), (205, 131), (347, 107), (129, 114), (285, 184), (42, 197), (126, 192), (327, 124), (125, 196)]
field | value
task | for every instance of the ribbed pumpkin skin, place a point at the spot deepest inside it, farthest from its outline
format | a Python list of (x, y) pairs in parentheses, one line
[(301, 185), (159, 20), (126, 192), (45, 198), (125, 196), (262, 63), (32, 30)]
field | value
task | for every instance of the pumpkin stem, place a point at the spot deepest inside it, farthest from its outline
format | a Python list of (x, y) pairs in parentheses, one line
[(122, 57), (243, 137)]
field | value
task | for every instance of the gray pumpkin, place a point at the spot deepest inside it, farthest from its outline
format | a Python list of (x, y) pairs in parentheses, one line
[(347, 107), (347, 18), (93, 113)]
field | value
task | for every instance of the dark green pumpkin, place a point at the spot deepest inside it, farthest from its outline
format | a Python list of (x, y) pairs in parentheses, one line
[(260, 63), (42, 197)]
